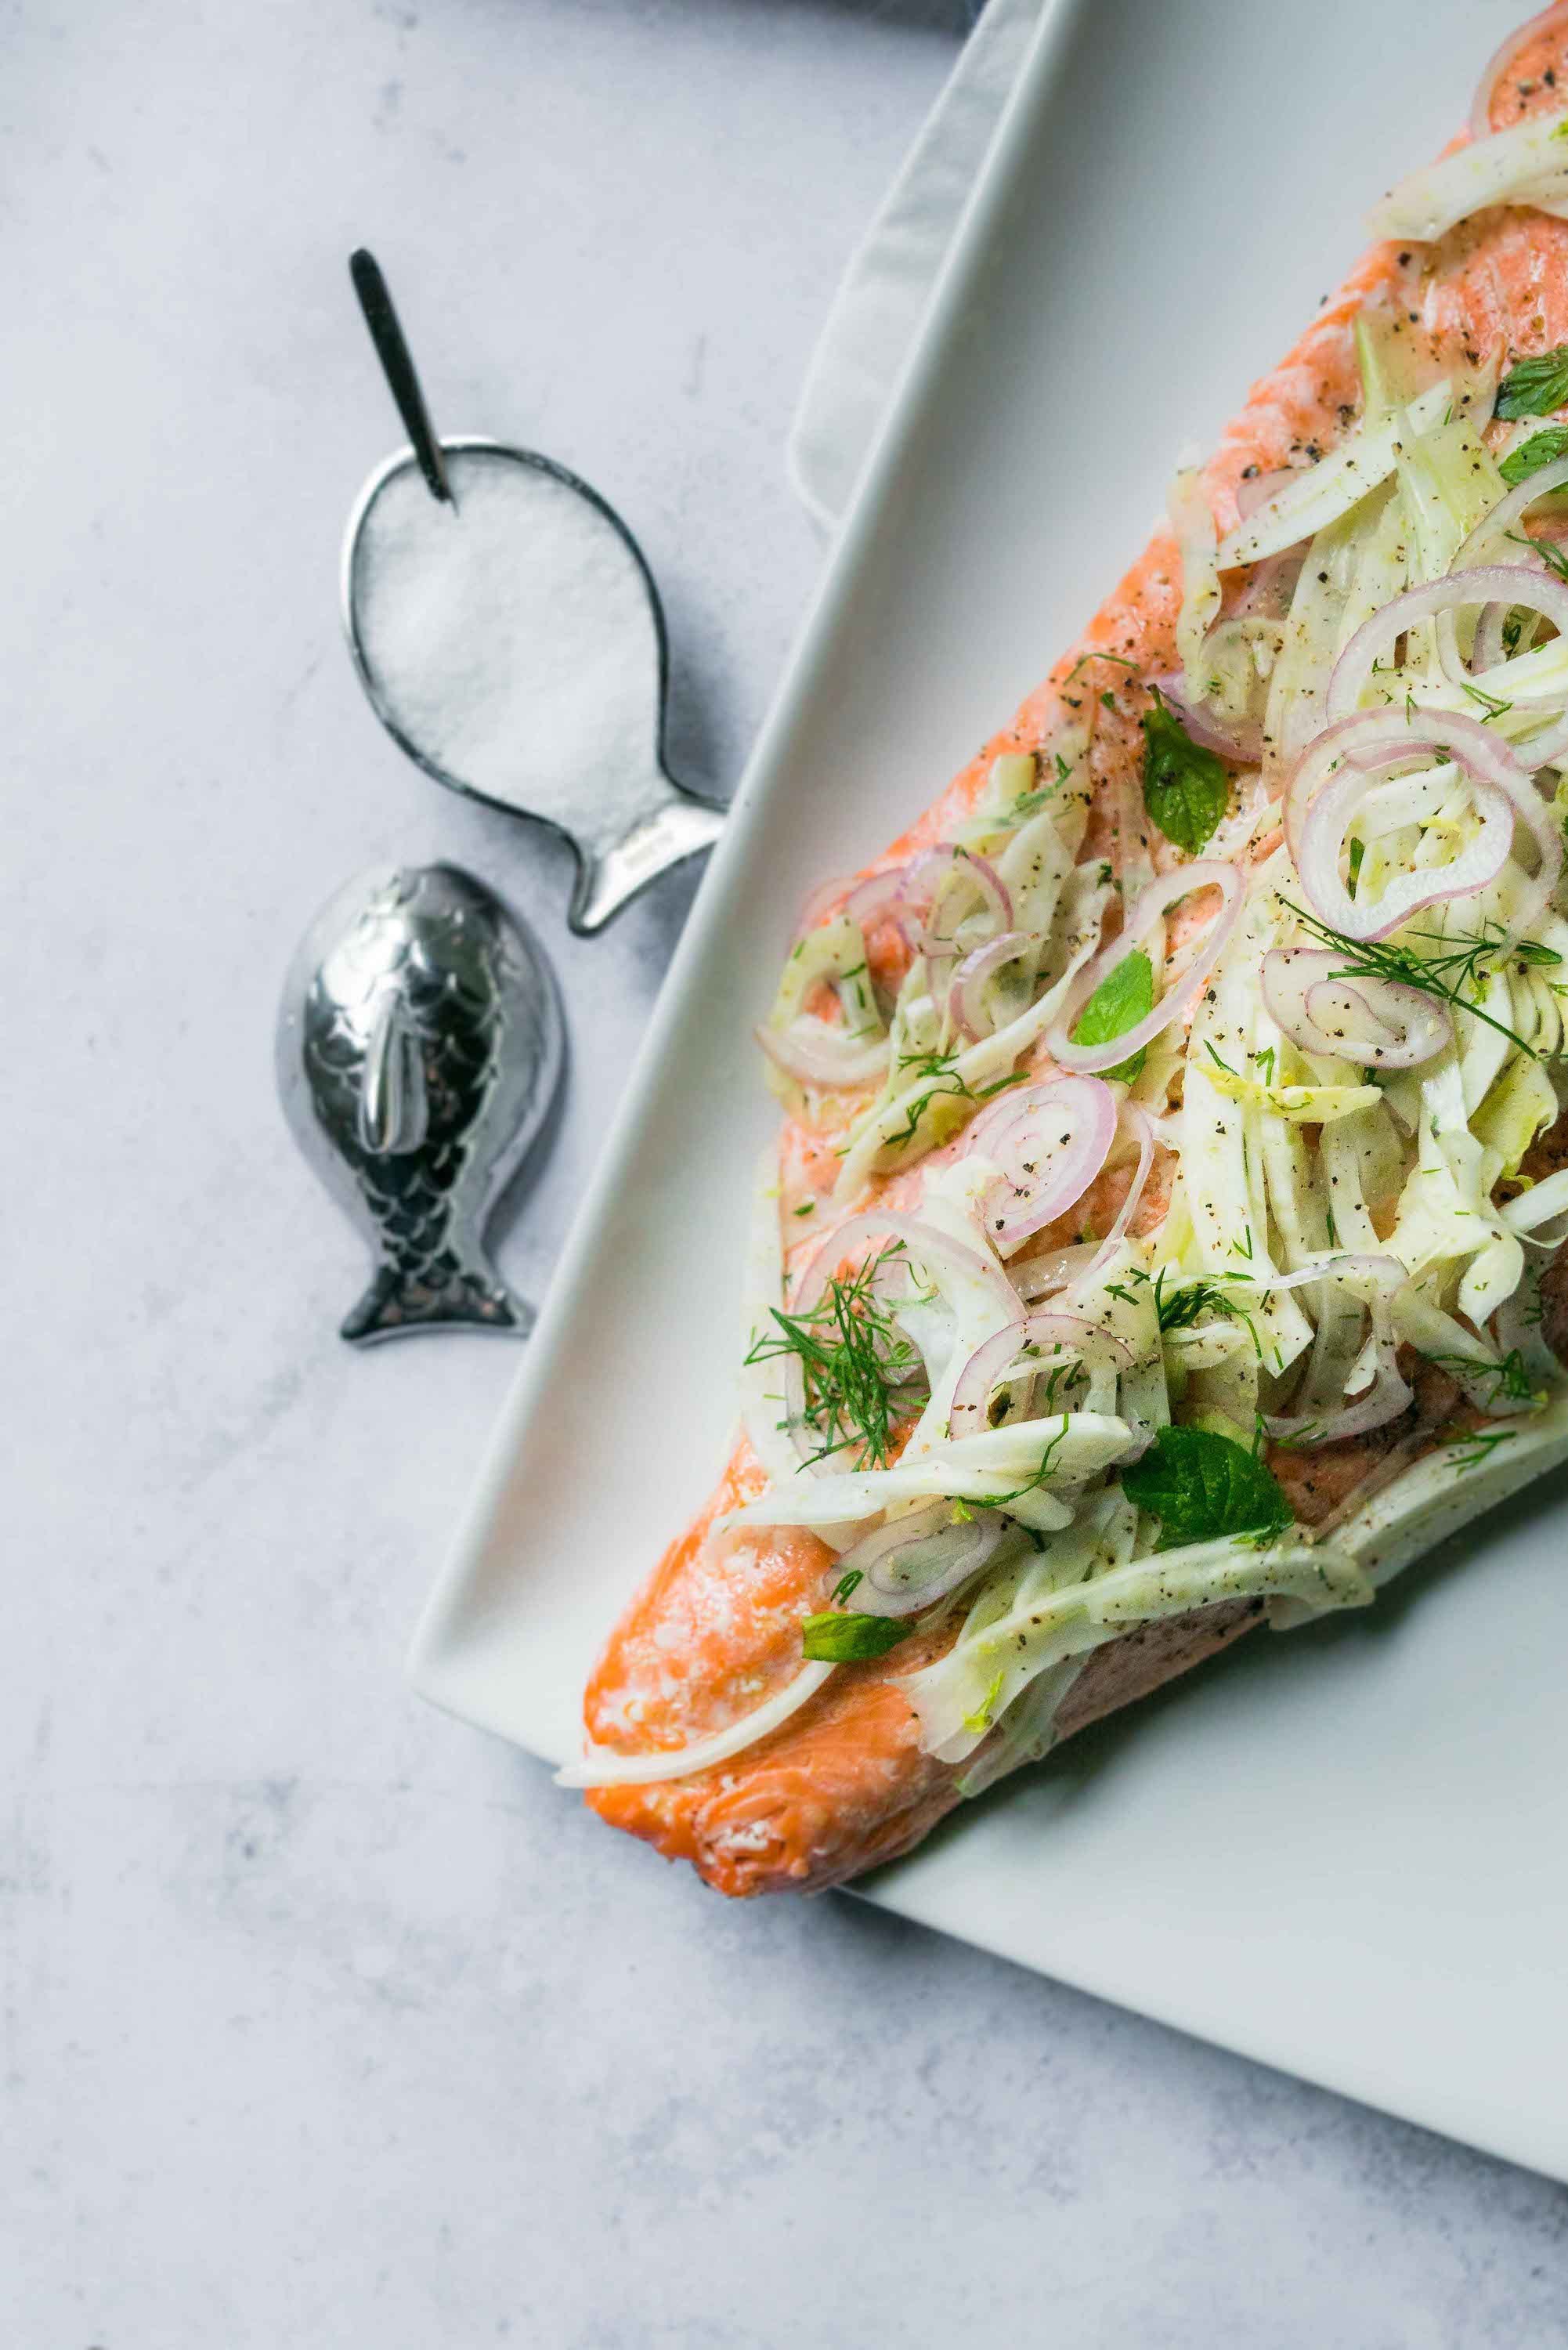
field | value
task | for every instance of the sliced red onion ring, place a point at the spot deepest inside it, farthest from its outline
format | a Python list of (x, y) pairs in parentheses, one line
[(1376, 1022), (1243, 742), (1044, 1274), (926, 878), (966, 990), (1389, 1394), (926, 885), (1381, 1023), (1050, 1146), (819, 903), (880, 899), (818, 1055), (912, 1562), (1492, 532), (1496, 589), (1204, 873), (1490, 650), (1335, 772), (1501, 58), (1045, 1338), (1144, 1131), (985, 1131), (947, 1260), (1484, 547), (1483, 584)]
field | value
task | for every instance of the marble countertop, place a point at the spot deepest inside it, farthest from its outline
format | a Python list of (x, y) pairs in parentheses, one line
[(327, 2020)]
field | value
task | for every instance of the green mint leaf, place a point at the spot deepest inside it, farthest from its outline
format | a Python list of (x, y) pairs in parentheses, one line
[(1201, 1486), (1186, 789), (1531, 454), (836, 1639), (1535, 387), (1123, 998)]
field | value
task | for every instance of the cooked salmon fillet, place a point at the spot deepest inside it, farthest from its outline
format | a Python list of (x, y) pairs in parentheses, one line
[(844, 1784)]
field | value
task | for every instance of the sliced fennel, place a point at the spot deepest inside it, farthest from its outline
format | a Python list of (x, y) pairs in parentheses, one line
[(1301, 1105), (995, 1469), (1526, 164), (950, 1084), (1194, 527), (1325, 493), (604, 1766), (1087, 1591)]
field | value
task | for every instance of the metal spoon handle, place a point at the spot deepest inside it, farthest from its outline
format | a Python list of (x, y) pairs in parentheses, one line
[(666, 826), (398, 366)]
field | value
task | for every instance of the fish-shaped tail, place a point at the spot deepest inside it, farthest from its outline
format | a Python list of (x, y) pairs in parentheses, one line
[(431, 1295)]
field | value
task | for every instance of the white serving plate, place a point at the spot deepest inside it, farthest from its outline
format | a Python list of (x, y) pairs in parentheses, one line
[(1341, 1850)]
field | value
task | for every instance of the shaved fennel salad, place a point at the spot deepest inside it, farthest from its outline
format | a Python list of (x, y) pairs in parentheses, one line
[(1218, 1215)]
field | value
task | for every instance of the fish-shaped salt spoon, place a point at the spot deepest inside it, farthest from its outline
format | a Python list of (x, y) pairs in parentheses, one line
[(419, 1043), (509, 638)]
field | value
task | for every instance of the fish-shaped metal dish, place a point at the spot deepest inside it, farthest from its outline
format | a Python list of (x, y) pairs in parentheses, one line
[(420, 1045)]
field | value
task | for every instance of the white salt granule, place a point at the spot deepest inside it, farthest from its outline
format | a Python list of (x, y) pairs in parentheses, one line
[(511, 639)]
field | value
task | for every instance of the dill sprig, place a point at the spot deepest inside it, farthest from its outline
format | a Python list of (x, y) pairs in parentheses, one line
[(1511, 1382), (1556, 559), (859, 1371), (1481, 1448), (1463, 964), (946, 1082), (1180, 1307), (1047, 1462)]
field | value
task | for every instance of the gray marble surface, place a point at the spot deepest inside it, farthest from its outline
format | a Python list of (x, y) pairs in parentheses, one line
[(327, 2021)]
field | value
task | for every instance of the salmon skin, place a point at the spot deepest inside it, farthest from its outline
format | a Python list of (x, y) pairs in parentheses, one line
[(845, 1783)]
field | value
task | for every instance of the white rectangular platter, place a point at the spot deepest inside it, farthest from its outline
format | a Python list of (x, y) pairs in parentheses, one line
[(1342, 1850)]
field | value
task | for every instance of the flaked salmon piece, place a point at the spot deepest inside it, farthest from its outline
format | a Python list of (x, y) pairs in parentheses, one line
[(844, 1784), (1321, 1480)]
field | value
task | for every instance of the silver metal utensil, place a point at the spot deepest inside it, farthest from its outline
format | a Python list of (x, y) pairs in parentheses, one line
[(419, 1045), (509, 635)]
